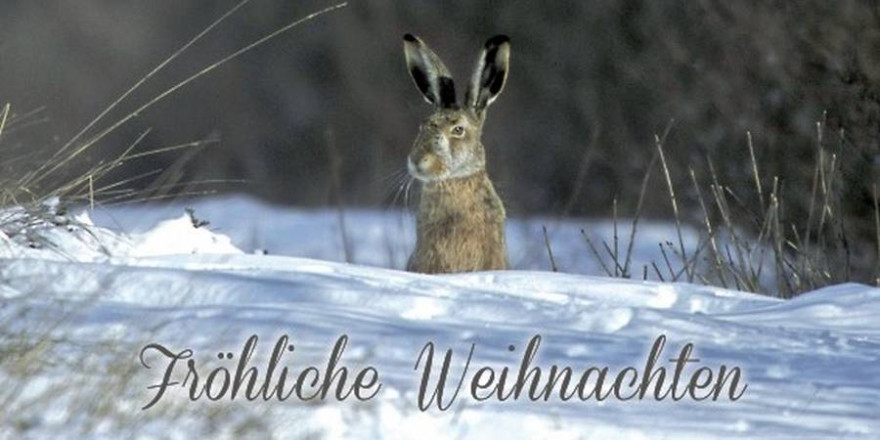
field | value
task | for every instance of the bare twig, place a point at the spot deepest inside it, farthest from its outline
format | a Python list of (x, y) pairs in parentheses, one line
[(645, 180), (549, 250), (755, 168), (719, 268), (178, 86), (596, 254), (674, 202), (617, 269), (4, 114)]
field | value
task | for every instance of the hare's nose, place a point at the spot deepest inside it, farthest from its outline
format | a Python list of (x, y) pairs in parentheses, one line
[(426, 163)]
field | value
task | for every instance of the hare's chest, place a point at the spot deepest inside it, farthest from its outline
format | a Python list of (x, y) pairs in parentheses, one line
[(460, 231), (465, 234), (459, 244)]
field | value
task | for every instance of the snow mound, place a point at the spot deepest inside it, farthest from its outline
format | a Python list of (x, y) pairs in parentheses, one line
[(180, 236), (56, 235)]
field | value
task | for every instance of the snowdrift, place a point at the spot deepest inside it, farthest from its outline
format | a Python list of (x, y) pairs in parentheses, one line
[(810, 363)]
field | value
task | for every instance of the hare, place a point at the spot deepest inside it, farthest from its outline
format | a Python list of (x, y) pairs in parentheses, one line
[(460, 221)]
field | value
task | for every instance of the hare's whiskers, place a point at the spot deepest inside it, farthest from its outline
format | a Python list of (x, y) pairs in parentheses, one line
[(390, 181), (400, 187), (388, 191), (406, 193), (392, 176)]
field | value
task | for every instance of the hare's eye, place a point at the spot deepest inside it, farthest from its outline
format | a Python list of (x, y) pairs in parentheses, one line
[(458, 131)]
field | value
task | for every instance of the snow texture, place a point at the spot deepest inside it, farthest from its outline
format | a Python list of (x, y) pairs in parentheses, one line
[(811, 363)]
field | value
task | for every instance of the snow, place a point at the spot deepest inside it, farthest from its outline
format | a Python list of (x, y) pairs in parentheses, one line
[(810, 363)]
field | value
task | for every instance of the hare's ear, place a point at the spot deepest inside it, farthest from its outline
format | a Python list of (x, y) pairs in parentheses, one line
[(490, 73), (430, 75)]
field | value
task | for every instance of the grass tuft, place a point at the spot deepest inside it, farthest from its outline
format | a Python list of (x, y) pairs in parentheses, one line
[(747, 239)]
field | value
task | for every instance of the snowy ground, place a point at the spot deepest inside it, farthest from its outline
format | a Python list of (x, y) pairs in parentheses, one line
[(811, 363)]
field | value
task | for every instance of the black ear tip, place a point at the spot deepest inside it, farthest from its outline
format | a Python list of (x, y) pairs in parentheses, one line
[(497, 40), (410, 38)]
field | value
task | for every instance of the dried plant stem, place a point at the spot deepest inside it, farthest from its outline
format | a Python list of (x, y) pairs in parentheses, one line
[(635, 222), (713, 245), (755, 168), (4, 114), (617, 269), (549, 250), (820, 156), (161, 66), (596, 254), (113, 127), (674, 202)]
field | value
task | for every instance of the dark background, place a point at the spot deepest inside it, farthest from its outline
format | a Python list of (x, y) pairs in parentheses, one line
[(591, 83)]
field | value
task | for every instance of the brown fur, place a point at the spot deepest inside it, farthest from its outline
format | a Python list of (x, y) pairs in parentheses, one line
[(460, 224), (460, 227)]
